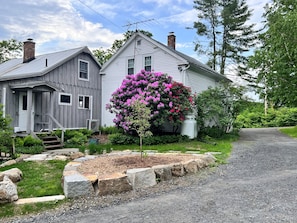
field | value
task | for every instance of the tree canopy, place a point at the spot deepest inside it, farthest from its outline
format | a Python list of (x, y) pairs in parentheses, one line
[(228, 36), (10, 49), (276, 59), (104, 55)]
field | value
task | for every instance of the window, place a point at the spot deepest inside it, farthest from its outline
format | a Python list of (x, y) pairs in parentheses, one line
[(25, 106), (130, 66), (65, 99), (83, 70), (148, 63), (83, 102)]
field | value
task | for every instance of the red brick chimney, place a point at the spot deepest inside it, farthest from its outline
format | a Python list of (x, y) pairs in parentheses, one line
[(171, 40), (28, 51)]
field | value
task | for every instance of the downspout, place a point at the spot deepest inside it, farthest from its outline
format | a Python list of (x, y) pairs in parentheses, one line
[(91, 112), (4, 102), (183, 68)]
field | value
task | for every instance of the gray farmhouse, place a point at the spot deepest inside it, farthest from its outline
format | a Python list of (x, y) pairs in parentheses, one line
[(55, 90)]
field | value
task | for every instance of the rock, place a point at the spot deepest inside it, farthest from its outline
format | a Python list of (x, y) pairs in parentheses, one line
[(209, 159), (163, 172), (8, 163), (76, 155), (60, 157), (177, 170), (200, 163), (8, 191), (76, 185), (190, 166), (116, 183), (141, 177), (13, 174)]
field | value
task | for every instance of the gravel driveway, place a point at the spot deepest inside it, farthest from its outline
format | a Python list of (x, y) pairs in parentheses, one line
[(259, 184)]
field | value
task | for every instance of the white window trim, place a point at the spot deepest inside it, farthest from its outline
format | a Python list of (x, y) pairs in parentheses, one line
[(144, 56), (87, 62), (63, 103), (130, 58), (84, 96)]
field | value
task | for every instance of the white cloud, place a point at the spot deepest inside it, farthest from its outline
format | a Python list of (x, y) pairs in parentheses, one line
[(185, 18), (57, 22)]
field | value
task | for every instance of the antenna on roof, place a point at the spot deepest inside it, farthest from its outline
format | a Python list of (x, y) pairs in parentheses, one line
[(129, 24)]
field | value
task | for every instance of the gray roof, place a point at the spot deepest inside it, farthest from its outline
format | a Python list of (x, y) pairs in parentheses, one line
[(16, 69)]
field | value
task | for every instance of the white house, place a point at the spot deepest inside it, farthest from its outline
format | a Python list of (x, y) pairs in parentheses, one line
[(142, 52)]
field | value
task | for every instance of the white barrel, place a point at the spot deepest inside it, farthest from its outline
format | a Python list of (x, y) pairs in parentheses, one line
[(189, 127)]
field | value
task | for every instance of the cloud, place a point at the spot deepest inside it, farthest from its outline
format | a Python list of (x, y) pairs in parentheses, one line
[(52, 21), (185, 18)]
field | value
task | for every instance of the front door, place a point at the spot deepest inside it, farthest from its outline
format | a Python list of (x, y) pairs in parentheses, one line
[(23, 111)]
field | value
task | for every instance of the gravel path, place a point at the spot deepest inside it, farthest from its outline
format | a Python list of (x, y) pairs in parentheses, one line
[(258, 185)]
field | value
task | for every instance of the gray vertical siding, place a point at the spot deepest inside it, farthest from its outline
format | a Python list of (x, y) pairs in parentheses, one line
[(66, 78)]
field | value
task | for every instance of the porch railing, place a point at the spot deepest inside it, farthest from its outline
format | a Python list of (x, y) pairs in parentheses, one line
[(59, 125)]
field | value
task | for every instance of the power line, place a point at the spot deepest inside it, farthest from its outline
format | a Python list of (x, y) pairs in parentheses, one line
[(89, 7)]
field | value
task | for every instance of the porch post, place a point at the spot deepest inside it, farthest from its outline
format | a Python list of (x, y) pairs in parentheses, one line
[(51, 111), (29, 113)]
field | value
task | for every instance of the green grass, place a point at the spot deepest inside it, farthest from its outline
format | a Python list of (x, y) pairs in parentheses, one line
[(290, 131), (211, 145), (39, 179)]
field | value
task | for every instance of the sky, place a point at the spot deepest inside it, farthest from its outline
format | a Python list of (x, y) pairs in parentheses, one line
[(65, 24)]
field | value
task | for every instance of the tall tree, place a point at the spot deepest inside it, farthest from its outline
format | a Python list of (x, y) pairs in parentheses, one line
[(104, 55), (276, 60), (10, 49), (229, 37)]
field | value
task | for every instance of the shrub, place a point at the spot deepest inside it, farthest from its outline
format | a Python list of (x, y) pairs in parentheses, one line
[(124, 139), (218, 107), (274, 118), (77, 139), (31, 141), (110, 130), (36, 149), (95, 148), (167, 100)]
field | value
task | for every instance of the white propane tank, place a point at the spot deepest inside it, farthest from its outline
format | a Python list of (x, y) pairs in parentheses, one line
[(189, 127)]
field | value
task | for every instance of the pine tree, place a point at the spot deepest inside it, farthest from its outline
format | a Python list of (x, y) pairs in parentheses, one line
[(224, 23)]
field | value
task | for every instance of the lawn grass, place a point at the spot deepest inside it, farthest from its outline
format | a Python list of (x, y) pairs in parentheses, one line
[(41, 178), (222, 146), (290, 131)]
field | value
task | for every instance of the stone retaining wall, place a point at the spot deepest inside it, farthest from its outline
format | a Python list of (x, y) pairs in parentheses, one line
[(76, 184)]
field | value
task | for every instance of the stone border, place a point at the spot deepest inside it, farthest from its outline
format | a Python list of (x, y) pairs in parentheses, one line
[(76, 184)]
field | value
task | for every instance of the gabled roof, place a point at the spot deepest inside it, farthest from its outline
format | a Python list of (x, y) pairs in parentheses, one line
[(42, 64), (183, 58)]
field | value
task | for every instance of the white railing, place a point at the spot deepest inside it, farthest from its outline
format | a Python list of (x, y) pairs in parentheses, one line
[(59, 125)]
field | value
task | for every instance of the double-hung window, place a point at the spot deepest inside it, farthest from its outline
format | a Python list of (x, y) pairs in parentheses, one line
[(83, 70), (83, 102), (130, 66), (148, 63)]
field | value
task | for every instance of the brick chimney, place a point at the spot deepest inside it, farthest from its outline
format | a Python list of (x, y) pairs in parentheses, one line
[(171, 40), (28, 51)]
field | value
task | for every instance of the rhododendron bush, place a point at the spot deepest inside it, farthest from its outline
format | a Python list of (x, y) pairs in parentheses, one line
[(168, 101)]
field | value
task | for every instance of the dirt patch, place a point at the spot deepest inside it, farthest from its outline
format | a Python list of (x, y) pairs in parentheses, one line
[(106, 165)]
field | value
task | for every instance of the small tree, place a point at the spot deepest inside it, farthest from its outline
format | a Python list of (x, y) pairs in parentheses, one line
[(218, 107), (139, 120), (5, 132)]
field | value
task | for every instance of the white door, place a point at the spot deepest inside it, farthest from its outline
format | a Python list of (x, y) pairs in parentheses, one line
[(23, 111)]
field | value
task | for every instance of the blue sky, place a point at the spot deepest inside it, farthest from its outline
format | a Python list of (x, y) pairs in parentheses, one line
[(64, 24)]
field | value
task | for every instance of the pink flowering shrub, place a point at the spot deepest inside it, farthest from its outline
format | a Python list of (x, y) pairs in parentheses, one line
[(168, 100)]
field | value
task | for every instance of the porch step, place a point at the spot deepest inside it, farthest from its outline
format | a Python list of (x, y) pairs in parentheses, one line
[(50, 141)]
